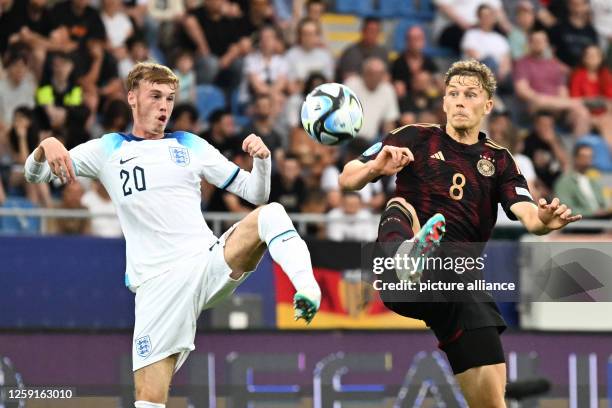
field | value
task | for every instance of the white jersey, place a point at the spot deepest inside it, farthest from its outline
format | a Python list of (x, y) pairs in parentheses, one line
[(155, 186)]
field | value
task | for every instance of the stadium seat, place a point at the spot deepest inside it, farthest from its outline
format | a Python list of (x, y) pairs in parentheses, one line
[(359, 7), (421, 10), (238, 109), (19, 225), (602, 160), (208, 99)]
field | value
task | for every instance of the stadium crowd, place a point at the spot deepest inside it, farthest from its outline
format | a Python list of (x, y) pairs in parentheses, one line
[(245, 67)]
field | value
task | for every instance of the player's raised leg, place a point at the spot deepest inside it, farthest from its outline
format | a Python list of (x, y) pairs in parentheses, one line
[(399, 223), (270, 226), (152, 383)]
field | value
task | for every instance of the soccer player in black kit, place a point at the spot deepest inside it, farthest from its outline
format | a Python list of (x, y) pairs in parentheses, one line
[(453, 174)]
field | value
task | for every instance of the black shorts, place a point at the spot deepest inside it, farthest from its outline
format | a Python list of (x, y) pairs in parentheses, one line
[(467, 332)]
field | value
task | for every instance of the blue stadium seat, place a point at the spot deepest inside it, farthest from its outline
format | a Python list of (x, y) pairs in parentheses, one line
[(239, 109), (602, 159), (421, 10), (359, 7), (208, 99), (19, 225)]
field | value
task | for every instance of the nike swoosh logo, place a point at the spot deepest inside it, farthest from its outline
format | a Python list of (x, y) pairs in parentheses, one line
[(287, 239), (121, 161)]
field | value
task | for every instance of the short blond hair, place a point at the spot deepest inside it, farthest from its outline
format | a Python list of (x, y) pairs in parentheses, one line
[(151, 72), (476, 69)]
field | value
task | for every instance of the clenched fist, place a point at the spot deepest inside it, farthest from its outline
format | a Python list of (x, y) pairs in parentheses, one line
[(391, 160), (255, 147)]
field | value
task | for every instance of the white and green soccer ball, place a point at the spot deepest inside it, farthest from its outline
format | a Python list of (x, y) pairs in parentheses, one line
[(332, 114)]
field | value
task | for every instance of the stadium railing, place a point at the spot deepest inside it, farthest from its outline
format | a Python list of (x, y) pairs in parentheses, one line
[(218, 219)]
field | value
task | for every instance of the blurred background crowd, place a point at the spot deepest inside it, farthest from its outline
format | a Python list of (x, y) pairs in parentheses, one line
[(245, 67)]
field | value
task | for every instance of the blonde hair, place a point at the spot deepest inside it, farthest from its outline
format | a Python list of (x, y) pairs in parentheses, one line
[(151, 72), (476, 69)]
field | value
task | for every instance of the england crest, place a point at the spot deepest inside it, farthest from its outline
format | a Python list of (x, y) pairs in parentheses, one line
[(143, 346), (179, 155)]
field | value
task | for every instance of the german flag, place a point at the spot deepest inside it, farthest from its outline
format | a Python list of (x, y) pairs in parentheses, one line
[(347, 302)]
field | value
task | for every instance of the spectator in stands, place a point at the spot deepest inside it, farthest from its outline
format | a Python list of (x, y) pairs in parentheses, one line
[(27, 22), (164, 19), (71, 200), (378, 98), (411, 62), (258, 14), (74, 21), (287, 186), (518, 36), (218, 42), (372, 194), (351, 221), (540, 81), (308, 56), (166, 11), (571, 35), (221, 133), (266, 68), (98, 76), (353, 57), (116, 117), (17, 88), (423, 97), (60, 93), (454, 17), (486, 45), (185, 118), (104, 222), (583, 194), (602, 21), (24, 137), (138, 51), (315, 203), (546, 151), (592, 82), (23, 18), (118, 27), (262, 124), (503, 132), (184, 70), (138, 12)]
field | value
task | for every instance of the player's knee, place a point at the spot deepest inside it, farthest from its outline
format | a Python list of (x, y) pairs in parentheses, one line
[(275, 208), (155, 395), (401, 201)]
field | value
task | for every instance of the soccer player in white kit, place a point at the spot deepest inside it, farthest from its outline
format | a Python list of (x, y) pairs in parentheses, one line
[(175, 265)]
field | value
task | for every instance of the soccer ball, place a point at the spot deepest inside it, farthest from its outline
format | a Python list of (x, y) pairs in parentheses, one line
[(332, 114)]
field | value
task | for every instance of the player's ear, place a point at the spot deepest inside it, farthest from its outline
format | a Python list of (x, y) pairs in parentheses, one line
[(131, 98), (488, 106)]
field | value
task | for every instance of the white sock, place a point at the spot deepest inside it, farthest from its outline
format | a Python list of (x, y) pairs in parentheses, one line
[(287, 248), (146, 404)]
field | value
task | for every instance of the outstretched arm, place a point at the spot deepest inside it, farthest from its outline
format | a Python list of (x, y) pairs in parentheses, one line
[(544, 217), (389, 161)]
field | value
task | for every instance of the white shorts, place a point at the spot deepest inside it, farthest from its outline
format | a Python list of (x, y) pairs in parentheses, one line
[(168, 305)]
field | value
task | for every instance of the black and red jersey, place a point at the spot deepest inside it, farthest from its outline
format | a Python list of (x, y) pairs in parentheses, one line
[(462, 182)]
